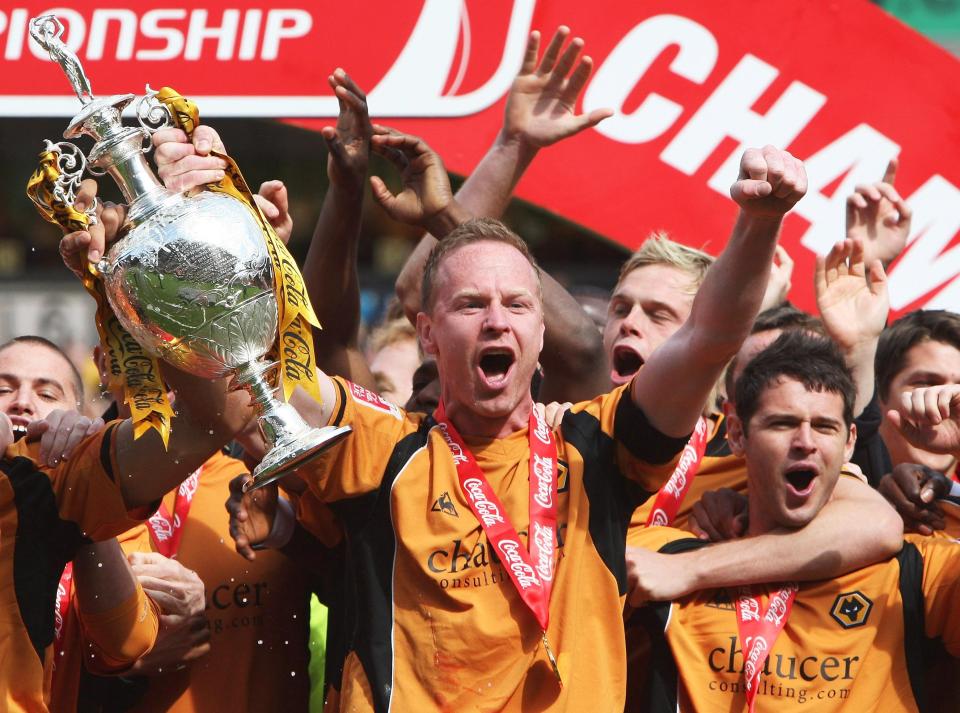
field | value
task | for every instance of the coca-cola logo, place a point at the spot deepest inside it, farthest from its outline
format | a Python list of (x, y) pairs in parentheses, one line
[(749, 609), (543, 537), (658, 518), (777, 609), (486, 510), (188, 487), (365, 397), (543, 469), (541, 430), (757, 655), (455, 450), (161, 526), (522, 572)]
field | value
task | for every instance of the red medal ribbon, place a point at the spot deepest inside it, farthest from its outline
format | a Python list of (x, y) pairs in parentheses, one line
[(530, 571), (61, 610), (166, 530), (671, 495), (758, 633)]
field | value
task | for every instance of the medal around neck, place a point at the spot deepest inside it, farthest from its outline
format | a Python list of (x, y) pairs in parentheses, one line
[(200, 281)]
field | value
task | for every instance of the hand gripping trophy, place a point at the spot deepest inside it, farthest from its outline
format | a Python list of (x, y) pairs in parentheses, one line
[(200, 280)]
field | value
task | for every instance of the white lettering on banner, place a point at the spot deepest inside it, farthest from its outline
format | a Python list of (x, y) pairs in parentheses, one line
[(489, 513), (167, 26), (659, 518), (860, 156), (631, 59), (728, 113), (417, 84), (543, 536), (925, 266), (526, 577)]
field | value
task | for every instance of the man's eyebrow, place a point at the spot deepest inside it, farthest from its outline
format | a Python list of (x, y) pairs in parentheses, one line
[(39, 382), (926, 374)]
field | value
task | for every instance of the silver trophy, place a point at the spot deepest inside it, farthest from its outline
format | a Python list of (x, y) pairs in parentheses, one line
[(191, 278)]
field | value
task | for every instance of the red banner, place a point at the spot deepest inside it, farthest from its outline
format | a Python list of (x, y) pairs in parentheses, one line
[(842, 85)]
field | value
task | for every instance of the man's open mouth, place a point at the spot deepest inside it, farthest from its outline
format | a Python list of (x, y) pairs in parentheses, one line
[(626, 362), (495, 366), (801, 480), (19, 431)]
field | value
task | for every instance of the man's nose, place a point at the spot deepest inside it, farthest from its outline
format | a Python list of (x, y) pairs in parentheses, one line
[(23, 403), (803, 438)]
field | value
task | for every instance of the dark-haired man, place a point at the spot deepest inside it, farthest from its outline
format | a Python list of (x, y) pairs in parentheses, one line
[(851, 642)]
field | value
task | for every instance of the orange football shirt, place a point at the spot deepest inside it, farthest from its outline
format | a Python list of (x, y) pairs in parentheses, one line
[(437, 623), (851, 643)]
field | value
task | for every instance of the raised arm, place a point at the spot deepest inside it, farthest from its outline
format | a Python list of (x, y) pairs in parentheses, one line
[(778, 556), (330, 268), (854, 305), (540, 111), (675, 383)]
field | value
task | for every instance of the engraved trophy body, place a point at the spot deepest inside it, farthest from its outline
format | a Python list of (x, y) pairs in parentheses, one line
[(191, 279)]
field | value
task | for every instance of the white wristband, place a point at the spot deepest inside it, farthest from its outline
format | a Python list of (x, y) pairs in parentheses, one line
[(283, 523), (954, 490)]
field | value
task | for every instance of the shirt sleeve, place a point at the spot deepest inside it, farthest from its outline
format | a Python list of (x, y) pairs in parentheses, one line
[(86, 491), (644, 454), (355, 465), (941, 589), (116, 638)]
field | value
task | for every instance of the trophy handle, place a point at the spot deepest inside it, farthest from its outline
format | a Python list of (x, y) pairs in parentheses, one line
[(71, 164), (153, 115)]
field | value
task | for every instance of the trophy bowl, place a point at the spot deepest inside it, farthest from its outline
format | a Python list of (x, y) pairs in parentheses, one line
[(191, 278)]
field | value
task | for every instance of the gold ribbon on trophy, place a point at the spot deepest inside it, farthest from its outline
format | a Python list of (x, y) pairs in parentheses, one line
[(294, 347), (129, 365)]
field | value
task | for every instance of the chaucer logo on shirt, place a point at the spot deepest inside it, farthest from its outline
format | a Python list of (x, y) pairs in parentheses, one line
[(851, 609)]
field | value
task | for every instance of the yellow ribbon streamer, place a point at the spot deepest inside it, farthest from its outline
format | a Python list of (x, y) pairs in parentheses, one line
[(128, 364), (294, 348)]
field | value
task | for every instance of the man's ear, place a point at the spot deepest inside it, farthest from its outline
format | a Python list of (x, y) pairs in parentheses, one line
[(735, 435), (425, 333), (851, 443)]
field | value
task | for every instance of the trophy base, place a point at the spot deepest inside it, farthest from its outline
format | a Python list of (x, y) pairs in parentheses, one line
[(286, 457)]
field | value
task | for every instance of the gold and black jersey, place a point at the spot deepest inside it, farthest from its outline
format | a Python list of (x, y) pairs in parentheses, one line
[(437, 623), (45, 514), (853, 643)]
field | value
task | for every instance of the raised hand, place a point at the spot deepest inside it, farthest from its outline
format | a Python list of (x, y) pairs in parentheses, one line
[(184, 164), (79, 248), (853, 304), (275, 205), (929, 418), (877, 215), (770, 183), (349, 142), (251, 514), (59, 434), (425, 198), (541, 105)]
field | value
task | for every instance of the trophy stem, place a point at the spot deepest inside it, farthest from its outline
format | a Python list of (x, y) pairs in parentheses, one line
[(290, 441)]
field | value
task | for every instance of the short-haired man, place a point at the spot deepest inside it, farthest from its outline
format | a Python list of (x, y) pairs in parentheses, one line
[(920, 354), (851, 642), (452, 611)]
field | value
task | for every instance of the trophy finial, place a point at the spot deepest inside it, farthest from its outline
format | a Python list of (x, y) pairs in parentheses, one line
[(47, 30)]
